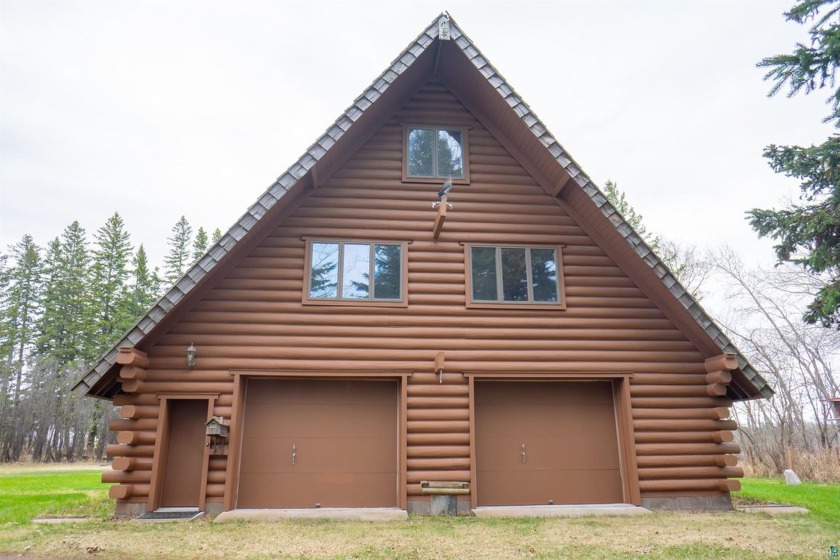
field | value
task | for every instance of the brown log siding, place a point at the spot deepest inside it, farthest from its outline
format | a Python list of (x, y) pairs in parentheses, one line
[(254, 319)]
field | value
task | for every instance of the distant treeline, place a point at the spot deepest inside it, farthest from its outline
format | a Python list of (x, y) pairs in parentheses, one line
[(61, 307)]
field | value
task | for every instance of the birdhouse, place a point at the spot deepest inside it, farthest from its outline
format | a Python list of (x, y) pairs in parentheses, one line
[(216, 427)]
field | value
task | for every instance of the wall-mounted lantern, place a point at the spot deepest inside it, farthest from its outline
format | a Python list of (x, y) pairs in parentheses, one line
[(191, 352)]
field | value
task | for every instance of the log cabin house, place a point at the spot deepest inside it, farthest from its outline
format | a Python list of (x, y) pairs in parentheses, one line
[(350, 340)]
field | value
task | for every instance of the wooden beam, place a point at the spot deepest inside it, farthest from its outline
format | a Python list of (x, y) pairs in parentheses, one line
[(132, 373), (128, 356), (558, 187), (440, 361), (726, 361), (440, 218), (720, 376)]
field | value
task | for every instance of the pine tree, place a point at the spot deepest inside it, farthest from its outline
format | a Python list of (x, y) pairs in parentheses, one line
[(66, 326), (217, 236), (200, 244), (178, 258), (22, 305), (144, 288), (809, 233), (6, 343), (109, 275)]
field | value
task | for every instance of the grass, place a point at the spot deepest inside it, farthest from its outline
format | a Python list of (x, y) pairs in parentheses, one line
[(44, 493), (822, 499), (27, 494)]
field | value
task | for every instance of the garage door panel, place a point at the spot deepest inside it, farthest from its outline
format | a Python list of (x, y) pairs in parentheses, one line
[(538, 487), (314, 420), (345, 440), (566, 419), (300, 391), (546, 393), (319, 455), (570, 437), (546, 453), (304, 490)]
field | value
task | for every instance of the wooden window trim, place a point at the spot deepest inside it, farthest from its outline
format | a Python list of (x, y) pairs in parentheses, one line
[(519, 305), (465, 151), (402, 302)]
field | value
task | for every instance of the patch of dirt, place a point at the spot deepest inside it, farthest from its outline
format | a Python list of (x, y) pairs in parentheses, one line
[(740, 501)]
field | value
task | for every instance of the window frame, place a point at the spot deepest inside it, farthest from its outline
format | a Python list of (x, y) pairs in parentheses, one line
[(307, 278), (406, 178), (530, 304)]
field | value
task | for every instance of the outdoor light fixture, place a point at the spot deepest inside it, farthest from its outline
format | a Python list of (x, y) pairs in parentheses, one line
[(191, 352)]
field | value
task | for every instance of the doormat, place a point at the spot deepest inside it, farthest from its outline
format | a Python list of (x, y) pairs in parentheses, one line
[(170, 516)]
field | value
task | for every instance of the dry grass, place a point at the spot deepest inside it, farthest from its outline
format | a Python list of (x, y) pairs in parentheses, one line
[(816, 466), (6, 468), (661, 535)]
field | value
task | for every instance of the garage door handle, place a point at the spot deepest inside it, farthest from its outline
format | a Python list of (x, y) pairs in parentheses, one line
[(523, 452), (294, 453)]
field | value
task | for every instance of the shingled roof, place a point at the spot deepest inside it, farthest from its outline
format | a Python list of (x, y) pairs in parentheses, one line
[(445, 29)]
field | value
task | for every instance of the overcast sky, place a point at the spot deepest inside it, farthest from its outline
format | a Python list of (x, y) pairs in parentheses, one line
[(158, 109)]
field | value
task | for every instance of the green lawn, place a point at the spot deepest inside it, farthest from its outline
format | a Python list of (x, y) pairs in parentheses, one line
[(61, 493), (667, 535), (822, 499)]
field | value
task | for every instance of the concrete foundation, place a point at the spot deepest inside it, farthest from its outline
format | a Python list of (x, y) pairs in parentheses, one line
[(349, 514), (129, 509), (444, 505), (559, 511), (698, 503), (424, 507), (135, 509)]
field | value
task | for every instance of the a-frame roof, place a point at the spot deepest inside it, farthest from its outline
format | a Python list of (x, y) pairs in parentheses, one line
[(444, 50)]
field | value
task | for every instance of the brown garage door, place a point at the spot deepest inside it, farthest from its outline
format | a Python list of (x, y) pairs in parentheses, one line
[(547, 442), (332, 443)]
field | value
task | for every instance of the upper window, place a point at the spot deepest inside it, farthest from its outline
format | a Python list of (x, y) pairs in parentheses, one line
[(435, 153), (515, 275), (353, 271)]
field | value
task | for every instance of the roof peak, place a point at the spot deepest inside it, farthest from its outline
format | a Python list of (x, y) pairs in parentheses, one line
[(442, 28)]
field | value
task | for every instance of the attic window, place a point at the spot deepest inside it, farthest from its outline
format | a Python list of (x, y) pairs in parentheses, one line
[(515, 275), (435, 153), (353, 271)]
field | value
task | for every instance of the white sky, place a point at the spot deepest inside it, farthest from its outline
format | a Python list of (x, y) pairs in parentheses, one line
[(158, 109)]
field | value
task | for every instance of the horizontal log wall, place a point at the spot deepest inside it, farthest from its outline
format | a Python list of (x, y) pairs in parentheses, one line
[(254, 319)]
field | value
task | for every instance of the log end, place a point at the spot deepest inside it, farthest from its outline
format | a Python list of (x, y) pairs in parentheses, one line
[(128, 411), (123, 464), (131, 386), (723, 437), (730, 485), (713, 390), (127, 438), (120, 491), (726, 460)]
